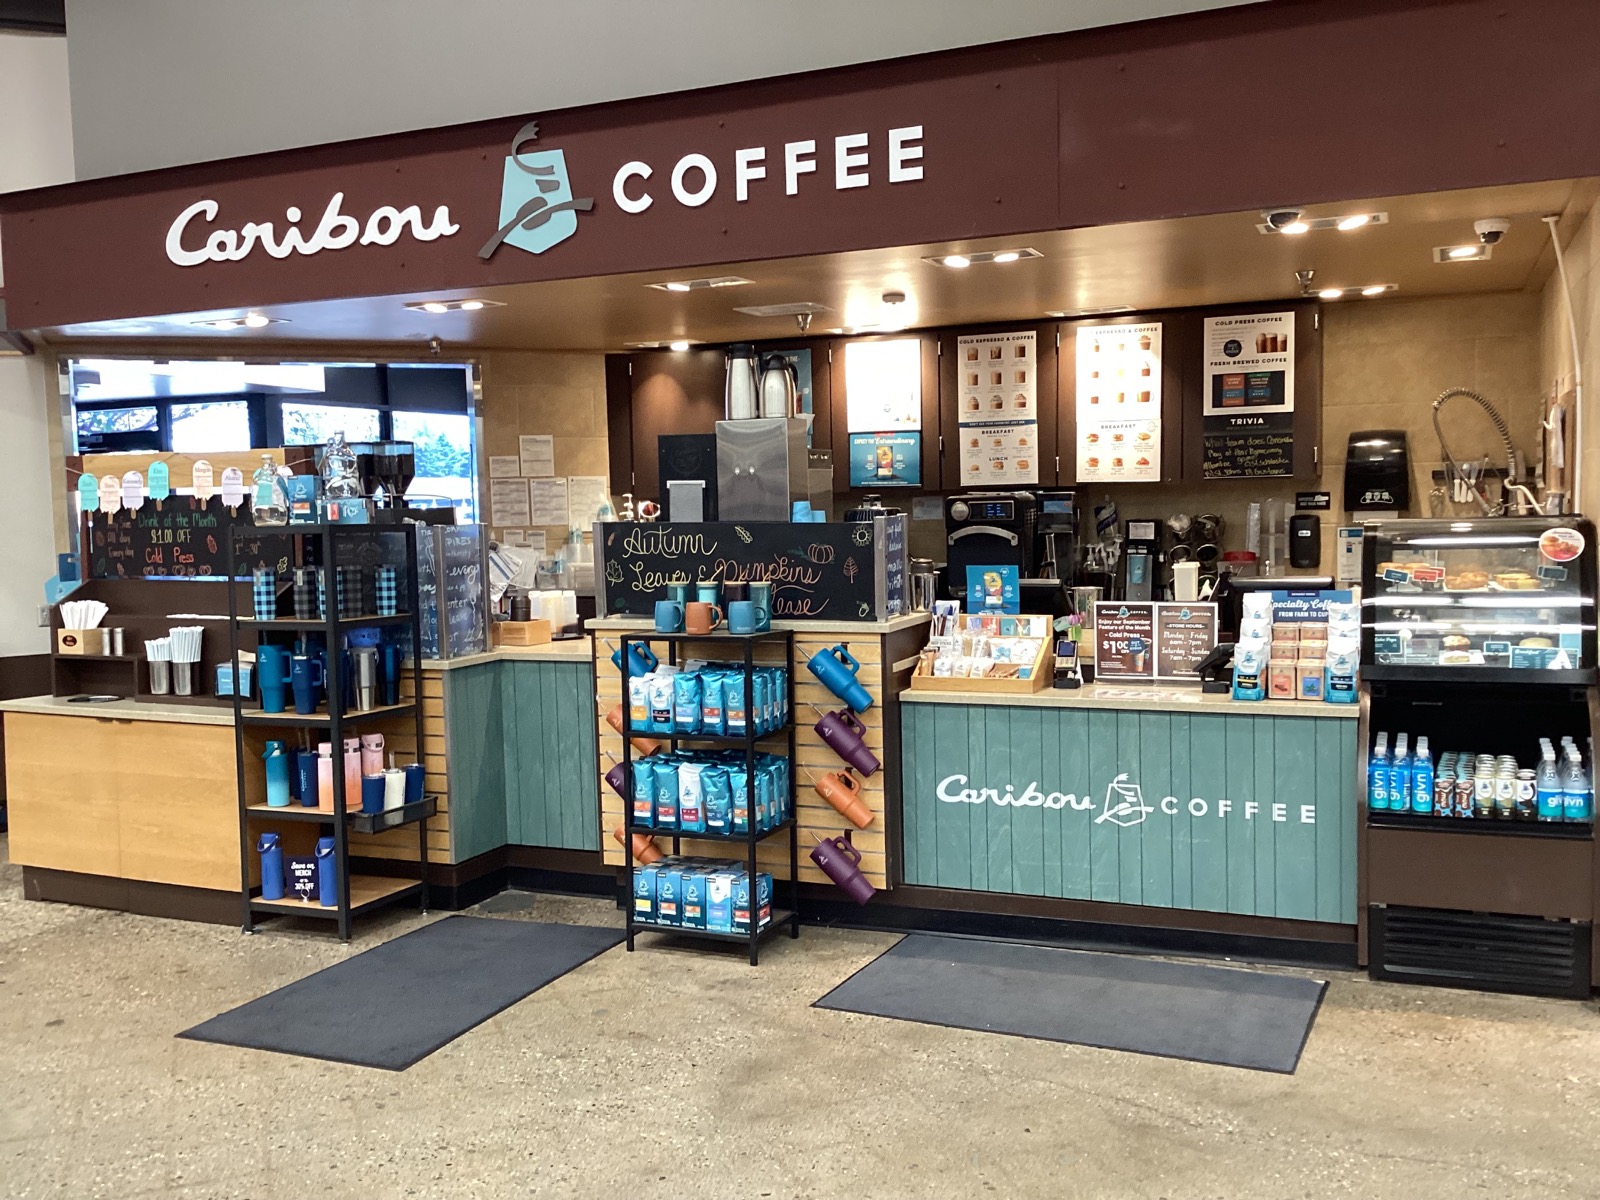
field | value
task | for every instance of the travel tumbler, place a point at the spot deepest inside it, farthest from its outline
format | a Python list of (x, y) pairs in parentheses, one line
[(271, 867), (327, 874), (840, 861)]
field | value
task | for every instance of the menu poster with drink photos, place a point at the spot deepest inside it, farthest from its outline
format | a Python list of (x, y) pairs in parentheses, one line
[(1248, 408), (1119, 403), (998, 408)]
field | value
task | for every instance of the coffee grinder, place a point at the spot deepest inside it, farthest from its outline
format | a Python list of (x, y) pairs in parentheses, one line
[(1139, 552)]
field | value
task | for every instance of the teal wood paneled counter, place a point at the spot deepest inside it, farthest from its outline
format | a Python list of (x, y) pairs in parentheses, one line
[(1148, 796), (519, 742)]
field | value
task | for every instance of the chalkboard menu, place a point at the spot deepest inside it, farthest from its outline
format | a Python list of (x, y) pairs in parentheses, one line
[(181, 539), (817, 572), (1242, 447), (450, 581), (894, 565)]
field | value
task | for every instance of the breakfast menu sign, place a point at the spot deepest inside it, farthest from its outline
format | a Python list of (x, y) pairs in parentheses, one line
[(998, 408), (1119, 403)]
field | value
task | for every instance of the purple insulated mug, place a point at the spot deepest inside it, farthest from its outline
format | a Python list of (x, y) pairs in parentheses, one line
[(843, 732), (840, 861), (617, 779)]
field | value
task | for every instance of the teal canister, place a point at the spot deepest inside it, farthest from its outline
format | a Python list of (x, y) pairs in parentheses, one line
[(277, 763)]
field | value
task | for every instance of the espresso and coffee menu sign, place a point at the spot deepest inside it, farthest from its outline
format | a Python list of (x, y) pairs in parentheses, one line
[(816, 571), (1248, 410), (182, 538), (1152, 640)]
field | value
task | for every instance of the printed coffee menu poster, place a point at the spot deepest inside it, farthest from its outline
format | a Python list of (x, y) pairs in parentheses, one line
[(1249, 396), (1119, 403), (997, 408), (1124, 637)]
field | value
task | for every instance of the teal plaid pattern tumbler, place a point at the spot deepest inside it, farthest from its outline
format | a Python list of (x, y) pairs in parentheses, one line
[(387, 586), (264, 589)]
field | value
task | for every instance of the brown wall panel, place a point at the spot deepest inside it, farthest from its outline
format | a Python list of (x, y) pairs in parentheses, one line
[(673, 392)]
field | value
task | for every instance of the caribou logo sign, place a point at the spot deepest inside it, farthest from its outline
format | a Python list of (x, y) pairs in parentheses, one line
[(537, 208), (335, 231), (1124, 805)]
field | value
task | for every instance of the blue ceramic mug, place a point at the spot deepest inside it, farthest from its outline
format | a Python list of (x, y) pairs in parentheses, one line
[(742, 617), (669, 616), (836, 668), (641, 659)]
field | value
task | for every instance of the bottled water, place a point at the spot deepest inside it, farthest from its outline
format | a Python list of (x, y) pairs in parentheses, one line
[(1577, 801), (1422, 779), (1548, 792), (1378, 774), (1400, 777)]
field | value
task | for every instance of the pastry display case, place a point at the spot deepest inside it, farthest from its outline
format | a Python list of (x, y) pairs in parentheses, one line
[(1493, 599)]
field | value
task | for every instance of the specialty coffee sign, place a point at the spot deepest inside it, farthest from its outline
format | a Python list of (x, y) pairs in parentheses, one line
[(816, 571), (1158, 640)]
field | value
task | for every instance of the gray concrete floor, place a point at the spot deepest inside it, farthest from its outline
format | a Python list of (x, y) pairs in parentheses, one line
[(685, 1074)]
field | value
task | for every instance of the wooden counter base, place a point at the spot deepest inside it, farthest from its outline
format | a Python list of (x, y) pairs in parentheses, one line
[(132, 895)]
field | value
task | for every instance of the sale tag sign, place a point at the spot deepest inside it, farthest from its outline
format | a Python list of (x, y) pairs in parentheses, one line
[(233, 487), (133, 491), (204, 481), (88, 493), (160, 487)]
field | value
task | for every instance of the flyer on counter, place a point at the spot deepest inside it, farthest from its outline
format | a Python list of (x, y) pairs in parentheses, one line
[(885, 460), (1118, 403), (508, 502), (1248, 404), (537, 452), (883, 386), (549, 506)]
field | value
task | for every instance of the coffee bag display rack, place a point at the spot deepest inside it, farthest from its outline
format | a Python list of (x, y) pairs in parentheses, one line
[(748, 741), (356, 895)]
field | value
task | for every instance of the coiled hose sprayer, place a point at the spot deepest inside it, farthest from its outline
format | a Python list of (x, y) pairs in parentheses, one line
[(1453, 469)]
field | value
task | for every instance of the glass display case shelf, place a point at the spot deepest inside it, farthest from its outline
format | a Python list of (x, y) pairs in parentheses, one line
[(1506, 595)]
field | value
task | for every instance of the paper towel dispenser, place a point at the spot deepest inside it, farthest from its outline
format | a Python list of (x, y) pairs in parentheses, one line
[(1377, 472)]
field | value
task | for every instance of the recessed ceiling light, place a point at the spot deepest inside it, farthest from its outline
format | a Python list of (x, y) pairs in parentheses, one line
[(445, 306), (1472, 252), (1463, 251), (1306, 224), (1372, 289), (1354, 221), (696, 285), (249, 320), (679, 346), (1376, 289), (1295, 228), (974, 257), (1331, 293)]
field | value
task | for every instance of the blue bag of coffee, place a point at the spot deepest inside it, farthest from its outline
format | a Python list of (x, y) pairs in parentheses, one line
[(644, 894), (712, 718), (691, 802), (739, 791), (761, 703), (642, 807), (693, 915), (719, 902), (686, 702), (717, 799), (733, 701), (666, 792)]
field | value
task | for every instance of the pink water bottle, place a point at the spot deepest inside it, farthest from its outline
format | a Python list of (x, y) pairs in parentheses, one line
[(840, 861), (352, 773), (372, 753), (325, 775)]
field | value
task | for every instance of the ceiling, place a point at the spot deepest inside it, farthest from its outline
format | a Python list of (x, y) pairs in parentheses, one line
[(1176, 263)]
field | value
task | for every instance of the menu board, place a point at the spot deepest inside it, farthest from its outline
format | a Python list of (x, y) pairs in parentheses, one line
[(883, 385), (1152, 640), (997, 408), (1119, 403), (1185, 634), (816, 571), (1248, 410), (894, 564), (183, 538), (450, 581)]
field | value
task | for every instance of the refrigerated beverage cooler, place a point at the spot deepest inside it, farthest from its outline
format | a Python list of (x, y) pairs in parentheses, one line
[(1476, 850)]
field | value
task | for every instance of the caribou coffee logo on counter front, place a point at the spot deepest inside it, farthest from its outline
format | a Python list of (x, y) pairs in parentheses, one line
[(1124, 804)]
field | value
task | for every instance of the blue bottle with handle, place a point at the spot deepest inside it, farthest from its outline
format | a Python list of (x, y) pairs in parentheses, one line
[(327, 874), (836, 668), (271, 866), (641, 659)]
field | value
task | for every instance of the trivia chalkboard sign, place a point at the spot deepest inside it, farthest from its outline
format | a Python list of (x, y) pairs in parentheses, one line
[(817, 572), (450, 564), (184, 538)]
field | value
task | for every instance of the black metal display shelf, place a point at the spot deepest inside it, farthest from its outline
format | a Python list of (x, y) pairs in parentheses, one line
[(688, 835), (355, 820), (367, 892), (1572, 831), (779, 920), (716, 739), (320, 624), (322, 720), (746, 644)]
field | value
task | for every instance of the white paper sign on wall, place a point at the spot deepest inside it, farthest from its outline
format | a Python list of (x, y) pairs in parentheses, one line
[(232, 487), (160, 486), (204, 481), (133, 491), (88, 493), (110, 494)]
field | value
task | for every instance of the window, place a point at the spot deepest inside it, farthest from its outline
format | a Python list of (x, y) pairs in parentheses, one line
[(210, 427), (140, 418), (304, 424), (443, 444)]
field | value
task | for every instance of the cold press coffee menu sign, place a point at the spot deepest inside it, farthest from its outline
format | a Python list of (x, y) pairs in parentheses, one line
[(182, 538), (1159, 640), (816, 571), (1248, 411)]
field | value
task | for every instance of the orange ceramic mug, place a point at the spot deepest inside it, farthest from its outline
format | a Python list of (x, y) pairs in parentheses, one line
[(843, 790), (700, 617)]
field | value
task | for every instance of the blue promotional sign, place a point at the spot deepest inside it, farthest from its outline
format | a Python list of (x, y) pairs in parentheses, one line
[(885, 460)]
